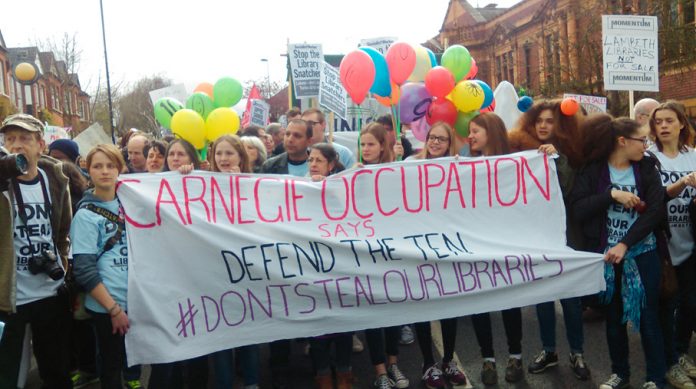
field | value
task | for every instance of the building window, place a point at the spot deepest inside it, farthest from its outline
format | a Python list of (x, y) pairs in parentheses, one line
[(511, 67), (42, 96), (505, 67), (498, 67), (527, 63), (2, 80)]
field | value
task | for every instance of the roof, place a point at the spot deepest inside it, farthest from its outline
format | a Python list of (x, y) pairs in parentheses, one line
[(472, 15), (2, 42), (23, 54)]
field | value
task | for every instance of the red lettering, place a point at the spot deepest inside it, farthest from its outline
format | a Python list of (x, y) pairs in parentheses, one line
[(525, 165), (428, 184), (353, 196), (215, 187), (296, 197), (323, 200), (188, 200), (473, 180), (379, 203), (128, 218), (517, 182), (420, 190), (164, 184), (257, 201), (240, 199), (454, 174), (369, 227), (322, 228)]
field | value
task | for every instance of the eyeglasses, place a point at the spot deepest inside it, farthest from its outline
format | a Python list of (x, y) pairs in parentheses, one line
[(645, 141), (312, 122), (438, 139)]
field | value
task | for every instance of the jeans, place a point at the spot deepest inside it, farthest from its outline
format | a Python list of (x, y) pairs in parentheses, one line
[(512, 321), (49, 319), (381, 340), (572, 315), (425, 340), (112, 352), (321, 353), (83, 346), (223, 362), (650, 333)]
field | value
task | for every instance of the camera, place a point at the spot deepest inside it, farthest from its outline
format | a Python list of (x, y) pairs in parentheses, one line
[(12, 165), (46, 263)]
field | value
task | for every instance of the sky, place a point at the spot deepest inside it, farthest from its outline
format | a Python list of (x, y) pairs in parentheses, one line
[(204, 40)]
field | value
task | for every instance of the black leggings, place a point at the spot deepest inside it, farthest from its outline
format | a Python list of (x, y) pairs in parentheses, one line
[(380, 342), (512, 320), (425, 340)]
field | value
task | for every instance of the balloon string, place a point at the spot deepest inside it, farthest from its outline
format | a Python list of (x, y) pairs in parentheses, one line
[(397, 127), (204, 152), (359, 129)]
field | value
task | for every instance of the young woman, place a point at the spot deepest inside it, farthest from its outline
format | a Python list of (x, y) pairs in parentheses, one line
[(374, 149), (488, 137), (181, 155), (155, 156), (439, 143), (545, 128), (229, 156), (619, 200), (673, 139), (256, 151), (98, 242)]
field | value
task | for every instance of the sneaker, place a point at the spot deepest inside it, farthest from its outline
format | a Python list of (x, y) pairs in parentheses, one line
[(489, 374), (687, 364), (432, 378), (133, 384), (543, 361), (383, 382), (398, 378), (678, 378), (577, 363), (514, 371), (81, 379), (406, 335), (615, 382), (357, 344), (454, 374), (649, 385)]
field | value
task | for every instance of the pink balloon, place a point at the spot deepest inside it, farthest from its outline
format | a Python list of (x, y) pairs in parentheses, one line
[(357, 74), (473, 71), (401, 60), (420, 128)]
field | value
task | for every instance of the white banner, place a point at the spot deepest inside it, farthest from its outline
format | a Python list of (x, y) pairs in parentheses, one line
[(630, 53), (305, 65), (218, 261), (332, 95), (259, 112), (592, 104), (177, 92), (52, 133), (381, 44)]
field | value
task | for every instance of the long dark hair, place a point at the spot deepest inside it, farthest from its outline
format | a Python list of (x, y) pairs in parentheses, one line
[(188, 148), (496, 133), (601, 132), (330, 154), (686, 135)]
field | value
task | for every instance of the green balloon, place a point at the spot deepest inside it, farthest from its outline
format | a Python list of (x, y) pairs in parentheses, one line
[(201, 103), (458, 60), (165, 108), (227, 92), (462, 123)]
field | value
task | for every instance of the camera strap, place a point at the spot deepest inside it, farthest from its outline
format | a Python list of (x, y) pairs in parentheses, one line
[(112, 217), (20, 202)]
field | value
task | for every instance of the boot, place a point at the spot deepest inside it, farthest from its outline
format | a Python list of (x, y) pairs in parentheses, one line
[(324, 381), (344, 380)]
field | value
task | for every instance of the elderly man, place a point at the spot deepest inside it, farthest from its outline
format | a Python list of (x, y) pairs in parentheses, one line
[(643, 109), (137, 154)]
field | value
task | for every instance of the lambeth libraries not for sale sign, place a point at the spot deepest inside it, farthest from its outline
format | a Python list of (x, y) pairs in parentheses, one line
[(630, 53)]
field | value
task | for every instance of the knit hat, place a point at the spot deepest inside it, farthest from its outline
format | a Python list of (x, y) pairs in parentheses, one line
[(67, 146)]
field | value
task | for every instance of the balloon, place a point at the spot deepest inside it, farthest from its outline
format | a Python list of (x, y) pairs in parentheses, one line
[(401, 59), (414, 102), (423, 65), (569, 106), (433, 59), (381, 86), (525, 103), (165, 108), (187, 124), (467, 96), (490, 108), (227, 92), (462, 123), (220, 122), (506, 104), (473, 71), (206, 88), (390, 100), (487, 93), (420, 128), (357, 74), (201, 103), (458, 60), (441, 110), (439, 82)]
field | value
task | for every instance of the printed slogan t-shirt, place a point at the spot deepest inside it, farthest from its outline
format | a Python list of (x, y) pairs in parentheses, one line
[(89, 233), (672, 170), (620, 219), (33, 287)]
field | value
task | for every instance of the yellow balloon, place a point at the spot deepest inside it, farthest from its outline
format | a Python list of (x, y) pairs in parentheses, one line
[(467, 96), (187, 124), (25, 72), (221, 121), (423, 64)]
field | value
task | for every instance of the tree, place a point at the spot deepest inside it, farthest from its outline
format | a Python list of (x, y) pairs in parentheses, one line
[(263, 85), (135, 110)]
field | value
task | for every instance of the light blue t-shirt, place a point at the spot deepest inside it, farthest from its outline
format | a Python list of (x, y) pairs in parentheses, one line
[(89, 233), (620, 219), (344, 155), (299, 170)]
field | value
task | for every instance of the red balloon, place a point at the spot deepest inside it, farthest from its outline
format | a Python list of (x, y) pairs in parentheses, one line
[(439, 81), (401, 60), (490, 108), (473, 71), (441, 110), (357, 74), (569, 106)]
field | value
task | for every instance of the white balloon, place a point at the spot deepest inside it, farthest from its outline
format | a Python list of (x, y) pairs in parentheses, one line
[(506, 104)]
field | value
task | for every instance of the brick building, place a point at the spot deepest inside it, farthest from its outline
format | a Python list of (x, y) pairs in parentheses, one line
[(56, 97), (554, 46)]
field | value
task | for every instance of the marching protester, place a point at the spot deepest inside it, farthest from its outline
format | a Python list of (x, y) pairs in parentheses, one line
[(137, 148), (673, 137), (386, 121), (316, 118), (546, 128), (439, 142), (275, 133), (32, 266), (618, 199), (323, 161), (100, 257), (643, 109), (256, 152), (488, 137), (155, 156)]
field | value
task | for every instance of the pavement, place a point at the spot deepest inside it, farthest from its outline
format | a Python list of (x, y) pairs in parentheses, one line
[(468, 355)]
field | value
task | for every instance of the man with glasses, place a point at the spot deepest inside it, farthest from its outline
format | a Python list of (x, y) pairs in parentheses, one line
[(316, 119)]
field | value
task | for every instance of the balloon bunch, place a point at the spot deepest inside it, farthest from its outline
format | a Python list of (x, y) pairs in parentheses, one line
[(419, 92), (207, 114)]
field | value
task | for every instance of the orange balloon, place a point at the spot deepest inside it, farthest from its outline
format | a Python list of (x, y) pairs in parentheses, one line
[(206, 88), (393, 99), (569, 106)]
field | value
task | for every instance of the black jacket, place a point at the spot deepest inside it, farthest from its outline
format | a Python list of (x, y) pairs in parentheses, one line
[(276, 165), (591, 198)]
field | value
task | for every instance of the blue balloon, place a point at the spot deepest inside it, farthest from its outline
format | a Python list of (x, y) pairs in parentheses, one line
[(487, 94), (433, 60), (524, 103), (381, 86)]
